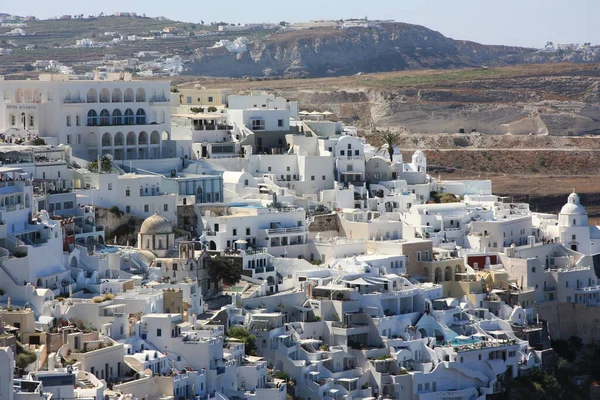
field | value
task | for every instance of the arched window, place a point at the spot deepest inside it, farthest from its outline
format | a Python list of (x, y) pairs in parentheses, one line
[(104, 117), (106, 139), (119, 139), (104, 96), (117, 117), (154, 138), (131, 139), (143, 139), (117, 96), (129, 96), (140, 95), (92, 118), (128, 120), (140, 117), (92, 96)]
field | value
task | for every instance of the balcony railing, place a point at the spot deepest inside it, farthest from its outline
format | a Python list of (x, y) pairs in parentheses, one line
[(282, 231)]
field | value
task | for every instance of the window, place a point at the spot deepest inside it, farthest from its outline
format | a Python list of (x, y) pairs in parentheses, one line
[(312, 177), (342, 153), (166, 208), (58, 206), (258, 124), (31, 120), (68, 139), (128, 209), (110, 186), (567, 284), (573, 237), (79, 138), (323, 177), (245, 182), (532, 269), (92, 118), (349, 146), (280, 123), (146, 208), (418, 256), (189, 99), (269, 169), (234, 232), (68, 120), (247, 231), (77, 120), (288, 168), (159, 332), (356, 152), (127, 193), (13, 120), (210, 99), (68, 205)]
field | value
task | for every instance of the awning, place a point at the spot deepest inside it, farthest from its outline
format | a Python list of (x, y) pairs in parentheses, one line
[(359, 281)]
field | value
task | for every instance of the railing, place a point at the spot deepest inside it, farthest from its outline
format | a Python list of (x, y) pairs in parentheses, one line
[(275, 231)]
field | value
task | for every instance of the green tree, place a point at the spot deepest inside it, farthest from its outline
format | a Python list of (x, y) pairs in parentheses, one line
[(212, 109), (242, 334), (220, 269), (390, 140), (196, 110), (105, 164)]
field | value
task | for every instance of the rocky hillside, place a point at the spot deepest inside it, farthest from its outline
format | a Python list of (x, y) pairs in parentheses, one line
[(548, 99), (326, 52)]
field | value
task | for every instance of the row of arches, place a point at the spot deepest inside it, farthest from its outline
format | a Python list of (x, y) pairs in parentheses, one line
[(105, 118), (447, 275), (119, 139), (28, 96), (116, 96)]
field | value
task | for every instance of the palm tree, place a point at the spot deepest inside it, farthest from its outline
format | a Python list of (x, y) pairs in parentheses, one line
[(390, 140)]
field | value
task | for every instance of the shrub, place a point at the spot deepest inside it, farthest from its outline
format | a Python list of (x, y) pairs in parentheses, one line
[(212, 109), (196, 110), (98, 299), (38, 142), (281, 375), (24, 357)]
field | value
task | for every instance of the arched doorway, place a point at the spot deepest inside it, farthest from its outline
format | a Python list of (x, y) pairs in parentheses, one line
[(438, 275), (212, 245), (448, 274)]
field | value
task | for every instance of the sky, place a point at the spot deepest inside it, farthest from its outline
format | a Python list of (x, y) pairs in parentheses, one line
[(529, 23)]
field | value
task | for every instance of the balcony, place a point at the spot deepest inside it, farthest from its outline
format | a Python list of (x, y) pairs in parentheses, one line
[(284, 231)]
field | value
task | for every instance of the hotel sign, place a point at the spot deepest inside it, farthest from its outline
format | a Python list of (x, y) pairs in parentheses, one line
[(21, 107)]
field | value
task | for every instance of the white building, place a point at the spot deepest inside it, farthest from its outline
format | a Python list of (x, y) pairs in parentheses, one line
[(119, 116)]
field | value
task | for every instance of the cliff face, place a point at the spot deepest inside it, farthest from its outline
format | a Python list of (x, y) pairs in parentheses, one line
[(322, 52)]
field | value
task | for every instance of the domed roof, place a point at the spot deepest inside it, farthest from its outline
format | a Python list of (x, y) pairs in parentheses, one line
[(573, 206), (156, 225)]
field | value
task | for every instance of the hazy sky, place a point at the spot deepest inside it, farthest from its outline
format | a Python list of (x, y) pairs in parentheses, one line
[(511, 22)]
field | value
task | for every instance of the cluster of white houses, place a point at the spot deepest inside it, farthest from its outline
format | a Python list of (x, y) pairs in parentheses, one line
[(355, 283)]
